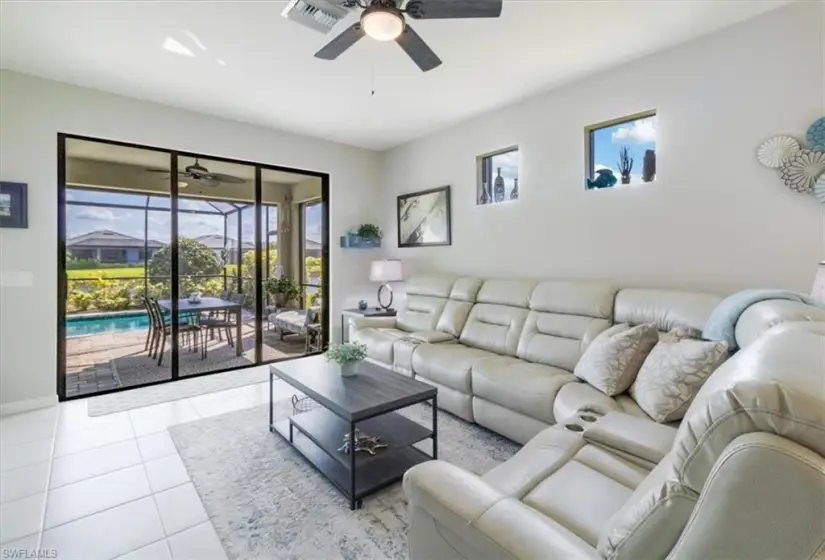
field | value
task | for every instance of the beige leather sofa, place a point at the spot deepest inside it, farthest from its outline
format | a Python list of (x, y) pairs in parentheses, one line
[(502, 352), (743, 476)]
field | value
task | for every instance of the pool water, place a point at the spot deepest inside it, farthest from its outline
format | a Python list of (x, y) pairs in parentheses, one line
[(121, 322)]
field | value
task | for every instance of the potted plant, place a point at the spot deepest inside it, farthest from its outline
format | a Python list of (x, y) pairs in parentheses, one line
[(365, 236), (283, 290), (346, 356)]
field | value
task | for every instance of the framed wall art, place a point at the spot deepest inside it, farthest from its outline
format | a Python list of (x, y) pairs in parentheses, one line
[(424, 218), (14, 212)]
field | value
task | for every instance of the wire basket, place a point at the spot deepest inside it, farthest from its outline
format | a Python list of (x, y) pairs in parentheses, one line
[(302, 404)]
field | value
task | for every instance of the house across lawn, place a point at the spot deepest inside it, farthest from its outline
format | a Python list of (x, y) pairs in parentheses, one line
[(109, 246)]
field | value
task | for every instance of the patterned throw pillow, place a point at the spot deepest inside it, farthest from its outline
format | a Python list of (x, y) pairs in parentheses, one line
[(613, 359), (672, 375)]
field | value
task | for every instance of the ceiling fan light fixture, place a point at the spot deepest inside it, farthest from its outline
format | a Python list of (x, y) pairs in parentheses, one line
[(382, 24), (182, 184)]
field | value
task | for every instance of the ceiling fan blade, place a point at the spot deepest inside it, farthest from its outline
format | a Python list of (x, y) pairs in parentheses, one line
[(207, 182), (342, 42), (448, 9), (156, 170), (418, 50), (220, 177)]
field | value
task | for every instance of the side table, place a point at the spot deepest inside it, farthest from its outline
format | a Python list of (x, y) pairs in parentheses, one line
[(368, 312)]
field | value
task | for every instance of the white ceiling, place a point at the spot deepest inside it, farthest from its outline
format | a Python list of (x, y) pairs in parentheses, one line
[(271, 78)]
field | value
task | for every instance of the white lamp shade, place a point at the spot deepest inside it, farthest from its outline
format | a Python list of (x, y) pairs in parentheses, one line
[(818, 291), (386, 271)]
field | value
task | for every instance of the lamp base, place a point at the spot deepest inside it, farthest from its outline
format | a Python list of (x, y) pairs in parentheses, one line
[(380, 290)]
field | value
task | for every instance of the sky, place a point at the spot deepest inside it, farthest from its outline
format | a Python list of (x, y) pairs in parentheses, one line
[(83, 219), (638, 136)]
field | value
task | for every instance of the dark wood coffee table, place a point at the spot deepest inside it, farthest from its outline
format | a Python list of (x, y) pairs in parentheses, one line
[(367, 401)]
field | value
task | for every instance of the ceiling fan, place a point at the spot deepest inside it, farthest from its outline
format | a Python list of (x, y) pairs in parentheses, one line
[(384, 20), (202, 175)]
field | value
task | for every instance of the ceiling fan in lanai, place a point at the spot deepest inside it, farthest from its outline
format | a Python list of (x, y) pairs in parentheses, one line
[(202, 175), (385, 20)]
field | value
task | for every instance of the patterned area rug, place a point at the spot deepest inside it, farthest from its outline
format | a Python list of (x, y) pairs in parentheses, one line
[(266, 501)]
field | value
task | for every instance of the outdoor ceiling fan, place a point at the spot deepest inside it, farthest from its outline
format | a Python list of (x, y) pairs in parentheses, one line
[(202, 175), (384, 20)]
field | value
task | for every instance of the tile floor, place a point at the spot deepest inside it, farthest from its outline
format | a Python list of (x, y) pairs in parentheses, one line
[(89, 488)]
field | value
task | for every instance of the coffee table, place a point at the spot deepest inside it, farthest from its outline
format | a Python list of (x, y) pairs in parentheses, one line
[(367, 401)]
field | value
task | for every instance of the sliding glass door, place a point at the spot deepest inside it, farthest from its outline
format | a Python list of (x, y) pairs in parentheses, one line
[(169, 261)]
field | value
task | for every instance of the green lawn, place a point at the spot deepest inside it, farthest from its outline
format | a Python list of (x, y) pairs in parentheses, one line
[(92, 273)]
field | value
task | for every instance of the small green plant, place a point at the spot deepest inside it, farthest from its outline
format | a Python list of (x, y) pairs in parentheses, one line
[(346, 353), (369, 230)]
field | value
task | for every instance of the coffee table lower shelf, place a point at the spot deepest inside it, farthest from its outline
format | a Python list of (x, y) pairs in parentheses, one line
[(370, 476)]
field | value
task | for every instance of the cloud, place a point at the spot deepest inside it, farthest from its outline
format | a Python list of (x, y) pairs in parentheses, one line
[(93, 213), (640, 131)]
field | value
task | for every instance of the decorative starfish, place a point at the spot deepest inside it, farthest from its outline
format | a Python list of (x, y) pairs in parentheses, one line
[(363, 442)]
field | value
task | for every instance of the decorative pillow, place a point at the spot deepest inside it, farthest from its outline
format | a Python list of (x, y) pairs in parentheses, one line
[(613, 359), (672, 375), (680, 333)]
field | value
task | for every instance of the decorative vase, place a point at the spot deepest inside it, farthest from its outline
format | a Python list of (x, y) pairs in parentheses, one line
[(498, 188), (349, 369)]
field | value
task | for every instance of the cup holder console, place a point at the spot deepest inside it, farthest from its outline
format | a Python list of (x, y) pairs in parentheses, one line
[(574, 427), (588, 418)]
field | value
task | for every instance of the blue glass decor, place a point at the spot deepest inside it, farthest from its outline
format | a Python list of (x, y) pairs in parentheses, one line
[(604, 179), (816, 134)]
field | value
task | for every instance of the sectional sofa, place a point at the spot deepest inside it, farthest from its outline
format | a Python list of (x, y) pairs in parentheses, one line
[(741, 476)]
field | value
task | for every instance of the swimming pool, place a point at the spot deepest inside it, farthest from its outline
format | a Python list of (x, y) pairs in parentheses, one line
[(114, 323)]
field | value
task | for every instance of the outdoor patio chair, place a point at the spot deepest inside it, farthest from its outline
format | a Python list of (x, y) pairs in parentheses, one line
[(188, 331)]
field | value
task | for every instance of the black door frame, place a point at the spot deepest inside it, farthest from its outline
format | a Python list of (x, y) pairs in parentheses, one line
[(173, 193)]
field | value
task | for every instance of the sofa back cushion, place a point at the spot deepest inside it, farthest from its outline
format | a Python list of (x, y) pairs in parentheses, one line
[(564, 319), (496, 328), (424, 303), (496, 321), (664, 308)]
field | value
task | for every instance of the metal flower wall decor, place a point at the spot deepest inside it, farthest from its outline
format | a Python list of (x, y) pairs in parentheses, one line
[(801, 169)]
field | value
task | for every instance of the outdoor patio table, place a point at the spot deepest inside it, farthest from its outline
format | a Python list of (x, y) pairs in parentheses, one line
[(211, 304)]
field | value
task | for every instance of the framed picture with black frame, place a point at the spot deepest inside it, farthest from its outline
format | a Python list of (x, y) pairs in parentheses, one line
[(13, 205), (424, 218)]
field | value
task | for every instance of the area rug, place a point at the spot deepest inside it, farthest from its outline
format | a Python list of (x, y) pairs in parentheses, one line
[(145, 396), (266, 501)]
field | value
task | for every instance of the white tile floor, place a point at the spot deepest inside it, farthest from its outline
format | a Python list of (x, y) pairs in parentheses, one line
[(111, 486)]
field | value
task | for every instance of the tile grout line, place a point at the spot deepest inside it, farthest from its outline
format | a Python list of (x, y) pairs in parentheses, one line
[(48, 480)]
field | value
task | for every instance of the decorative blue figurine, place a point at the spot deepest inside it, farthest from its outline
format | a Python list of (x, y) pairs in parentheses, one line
[(604, 179), (816, 134), (362, 305)]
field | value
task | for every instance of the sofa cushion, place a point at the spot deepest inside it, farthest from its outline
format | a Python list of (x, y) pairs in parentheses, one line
[(664, 308), (420, 313), (518, 385), (379, 342), (515, 293), (579, 498), (454, 317), (575, 397), (494, 327), (613, 360), (448, 364), (672, 375)]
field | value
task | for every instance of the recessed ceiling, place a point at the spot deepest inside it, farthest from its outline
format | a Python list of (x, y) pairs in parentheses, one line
[(252, 65)]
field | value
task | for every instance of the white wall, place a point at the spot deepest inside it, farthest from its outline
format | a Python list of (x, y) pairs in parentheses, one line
[(714, 219), (33, 111)]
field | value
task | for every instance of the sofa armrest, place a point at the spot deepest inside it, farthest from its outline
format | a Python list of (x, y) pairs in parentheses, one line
[(432, 337), (490, 524), (635, 436), (357, 323), (760, 317)]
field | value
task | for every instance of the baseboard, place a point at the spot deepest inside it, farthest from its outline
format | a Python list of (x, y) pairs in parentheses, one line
[(17, 407)]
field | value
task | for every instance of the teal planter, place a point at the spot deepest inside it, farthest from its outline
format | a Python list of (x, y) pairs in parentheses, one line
[(358, 242)]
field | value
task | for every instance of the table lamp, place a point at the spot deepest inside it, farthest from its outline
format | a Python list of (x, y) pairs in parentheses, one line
[(385, 271), (818, 291)]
